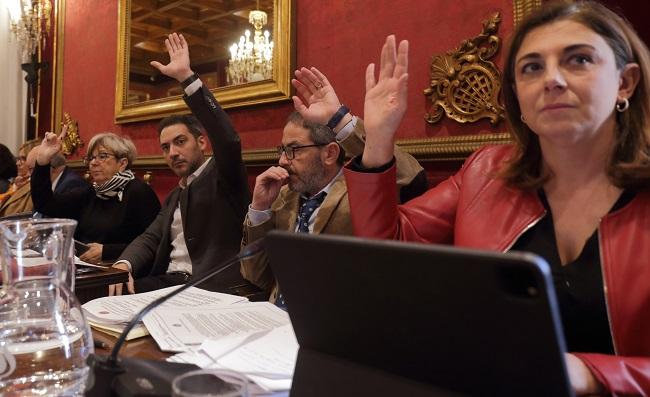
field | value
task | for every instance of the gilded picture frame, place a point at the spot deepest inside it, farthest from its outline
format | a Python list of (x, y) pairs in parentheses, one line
[(276, 89)]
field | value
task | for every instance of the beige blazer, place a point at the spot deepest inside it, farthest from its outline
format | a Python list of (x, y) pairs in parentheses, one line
[(333, 217), (20, 201)]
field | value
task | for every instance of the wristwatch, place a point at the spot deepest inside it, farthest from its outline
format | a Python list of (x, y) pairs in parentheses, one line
[(338, 116), (185, 83)]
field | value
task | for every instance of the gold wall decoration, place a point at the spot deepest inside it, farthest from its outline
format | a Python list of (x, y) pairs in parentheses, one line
[(522, 8), (71, 140), (464, 84)]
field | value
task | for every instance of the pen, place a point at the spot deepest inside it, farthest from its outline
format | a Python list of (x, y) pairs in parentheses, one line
[(101, 345)]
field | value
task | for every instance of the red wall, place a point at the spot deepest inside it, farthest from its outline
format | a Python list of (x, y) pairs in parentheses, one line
[(340, 39)]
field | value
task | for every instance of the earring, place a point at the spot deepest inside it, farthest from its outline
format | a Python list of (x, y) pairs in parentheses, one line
[(623, 105), (523, 120)]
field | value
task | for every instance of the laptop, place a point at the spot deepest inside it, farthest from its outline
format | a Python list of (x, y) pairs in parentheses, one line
[(388, 318)]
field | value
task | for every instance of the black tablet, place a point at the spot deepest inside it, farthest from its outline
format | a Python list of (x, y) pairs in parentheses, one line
[(380, 316)]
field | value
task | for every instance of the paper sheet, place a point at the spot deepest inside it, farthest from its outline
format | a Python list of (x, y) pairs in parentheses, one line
[(120, 309), (174, 329)]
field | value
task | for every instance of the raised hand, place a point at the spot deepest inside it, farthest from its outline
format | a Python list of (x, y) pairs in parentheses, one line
[(267, 187), (385, 102), (50, 146), (179, 58), (316, 100)]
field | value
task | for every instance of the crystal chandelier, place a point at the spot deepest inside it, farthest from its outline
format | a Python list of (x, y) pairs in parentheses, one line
[(30, 24), (251, 60)]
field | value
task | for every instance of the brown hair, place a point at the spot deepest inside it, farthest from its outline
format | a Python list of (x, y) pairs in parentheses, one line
[(629, 165), (319, 134)]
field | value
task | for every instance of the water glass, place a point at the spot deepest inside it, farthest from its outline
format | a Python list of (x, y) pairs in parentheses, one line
[(210, 383)]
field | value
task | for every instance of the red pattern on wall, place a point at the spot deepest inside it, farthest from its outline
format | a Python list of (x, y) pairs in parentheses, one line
[(340, 39)]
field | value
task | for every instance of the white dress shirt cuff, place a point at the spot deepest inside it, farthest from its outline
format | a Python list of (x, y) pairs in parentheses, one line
[(346, 130), (194, 87), (257, 217), (128, 264)]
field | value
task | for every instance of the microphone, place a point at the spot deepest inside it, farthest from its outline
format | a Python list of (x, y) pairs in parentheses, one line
[(104, 369)]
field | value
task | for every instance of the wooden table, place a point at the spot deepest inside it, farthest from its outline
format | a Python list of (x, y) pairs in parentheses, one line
[(144, 347), (94, 284)]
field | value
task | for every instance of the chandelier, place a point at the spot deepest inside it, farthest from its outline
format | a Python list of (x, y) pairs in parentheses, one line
[(251, 60), (30, 24)]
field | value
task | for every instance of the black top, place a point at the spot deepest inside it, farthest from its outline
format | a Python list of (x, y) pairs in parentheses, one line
[(578, 284), (111, 222)]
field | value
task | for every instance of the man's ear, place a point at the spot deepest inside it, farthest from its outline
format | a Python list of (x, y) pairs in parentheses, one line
[(331, 153), (630, 76), (202, 143)]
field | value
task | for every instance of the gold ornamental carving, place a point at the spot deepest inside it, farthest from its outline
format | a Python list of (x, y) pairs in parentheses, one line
[(464, 84), (71, 141)]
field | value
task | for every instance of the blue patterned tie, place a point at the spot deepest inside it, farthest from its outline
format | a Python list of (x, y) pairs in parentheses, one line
[(305, 211)]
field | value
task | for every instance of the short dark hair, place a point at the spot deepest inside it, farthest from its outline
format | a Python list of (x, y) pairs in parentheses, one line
[(629, 166), (193, 125), (320, 134)]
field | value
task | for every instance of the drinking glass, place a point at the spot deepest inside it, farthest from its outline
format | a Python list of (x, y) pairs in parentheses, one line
[(210, 383), (44, 337)]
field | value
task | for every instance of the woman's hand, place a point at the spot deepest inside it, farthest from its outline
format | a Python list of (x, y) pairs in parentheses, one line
[(385, 102), (179, 58), (582, 380), (50, 146), (94, 253)]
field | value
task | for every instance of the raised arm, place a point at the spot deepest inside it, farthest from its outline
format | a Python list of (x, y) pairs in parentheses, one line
[(223, 137), (385, 103), (317, 101), (67, 204), (179, 59)]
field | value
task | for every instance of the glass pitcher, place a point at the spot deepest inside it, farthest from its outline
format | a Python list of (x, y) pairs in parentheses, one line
[(44, 337)]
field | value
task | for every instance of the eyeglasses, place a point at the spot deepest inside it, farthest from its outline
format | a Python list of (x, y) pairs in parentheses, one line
[(290, 151), (21, 158), (101, 157)]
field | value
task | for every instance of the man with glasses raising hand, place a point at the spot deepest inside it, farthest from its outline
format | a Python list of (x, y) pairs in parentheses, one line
[(314, 144)]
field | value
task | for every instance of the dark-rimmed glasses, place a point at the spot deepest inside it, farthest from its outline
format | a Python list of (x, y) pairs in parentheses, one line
[(290, 151), (101, 157)]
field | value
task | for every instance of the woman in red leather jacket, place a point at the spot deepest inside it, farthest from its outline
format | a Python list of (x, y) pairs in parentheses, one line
[(572, 188)]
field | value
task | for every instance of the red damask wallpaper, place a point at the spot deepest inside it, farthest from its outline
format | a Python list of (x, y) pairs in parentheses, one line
[(339, 37)]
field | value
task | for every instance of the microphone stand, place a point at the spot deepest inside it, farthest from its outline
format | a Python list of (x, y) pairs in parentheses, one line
[(105, 368)]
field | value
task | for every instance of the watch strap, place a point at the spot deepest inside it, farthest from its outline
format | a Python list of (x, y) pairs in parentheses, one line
[(185, 83), (338, 116)]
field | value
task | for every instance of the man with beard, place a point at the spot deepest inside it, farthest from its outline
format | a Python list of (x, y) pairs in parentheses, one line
[(315, 140), (199, 225)]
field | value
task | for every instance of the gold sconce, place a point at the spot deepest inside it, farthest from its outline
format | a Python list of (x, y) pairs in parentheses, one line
[(464, 84), (71, 140)]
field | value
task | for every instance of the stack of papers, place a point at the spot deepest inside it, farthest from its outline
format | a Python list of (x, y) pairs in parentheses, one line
[(211, 330), (267, 358), (111, 314)]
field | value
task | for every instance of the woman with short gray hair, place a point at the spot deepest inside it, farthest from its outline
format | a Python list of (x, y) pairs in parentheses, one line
[(118, 207)]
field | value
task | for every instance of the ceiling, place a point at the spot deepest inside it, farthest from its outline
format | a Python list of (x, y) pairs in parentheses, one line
[(209, 26)]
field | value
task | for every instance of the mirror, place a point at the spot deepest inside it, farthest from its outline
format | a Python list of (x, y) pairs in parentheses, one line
[(240, 48)]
